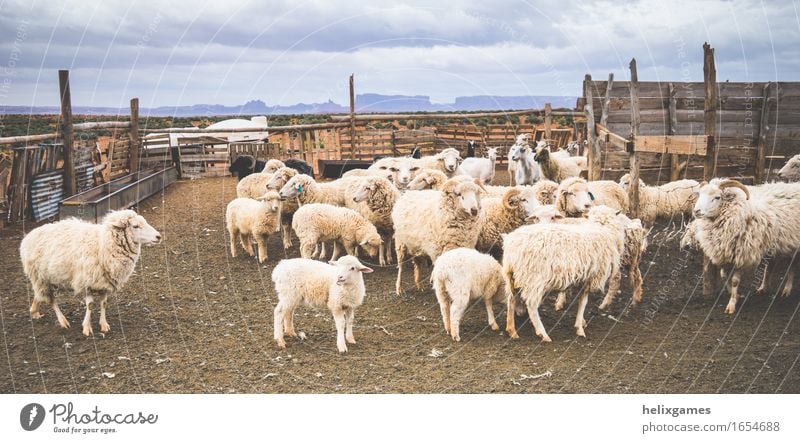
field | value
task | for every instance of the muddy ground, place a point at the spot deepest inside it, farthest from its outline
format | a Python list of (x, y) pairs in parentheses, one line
[(193, 319)]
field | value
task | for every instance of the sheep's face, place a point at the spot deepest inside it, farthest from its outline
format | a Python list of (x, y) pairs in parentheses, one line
[(365, 191), (466, 196), (608, 216), (135, 224), (280, 178), (242, 163), (423, 180), (349, 271), (451, 159), (404, 171), (544, 214), (371, 244), (272, 200), (272, 166), (292, 188), (578, 198), (711, 197), (791, 170)]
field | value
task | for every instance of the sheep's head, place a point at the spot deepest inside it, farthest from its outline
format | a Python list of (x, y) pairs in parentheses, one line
[(242, 163), (403, 171), (573, 196), (365, 190), (604, 215), (349, 270), (427, 179), (625, 182), (546, 191), (295, 186), (272, 200), (465, 193), (521, 201), (127, 220), (272, 166), (280, 178), (450, 158), (711, 197), (370, 241), (544, 214), (791, 170)]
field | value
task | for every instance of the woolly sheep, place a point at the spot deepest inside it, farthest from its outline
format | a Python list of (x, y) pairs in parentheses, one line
[(401, 169), (337, 285), (288, 206), (308, 190), (480, 168), (427, 223), (427, 179), (575, 196), (91, 260), (461, 275), (669, 200), (554, 168), (318, 223), (446, 161), (503, 215), (378, 195), (737, 226), (791, 170), (254, 185), (253, 220), (555, 257)]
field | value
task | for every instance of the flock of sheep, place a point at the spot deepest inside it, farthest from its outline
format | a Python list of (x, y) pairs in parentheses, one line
[(553, 231)]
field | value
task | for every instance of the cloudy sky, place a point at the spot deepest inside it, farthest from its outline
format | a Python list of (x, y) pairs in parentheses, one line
[(290, 51)]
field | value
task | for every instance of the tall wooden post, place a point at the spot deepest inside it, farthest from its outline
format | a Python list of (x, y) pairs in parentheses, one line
[(593, 151), (672, 110), (607, 100), (136, 143), (633, 189), (763, 127), (66, 133), (352, 118), (548, 121), (710, 110)]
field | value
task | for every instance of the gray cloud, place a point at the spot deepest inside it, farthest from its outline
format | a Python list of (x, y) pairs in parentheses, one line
[(286, 52)]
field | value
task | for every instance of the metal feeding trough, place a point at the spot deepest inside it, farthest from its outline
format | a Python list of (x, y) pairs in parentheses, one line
[(121, 193)]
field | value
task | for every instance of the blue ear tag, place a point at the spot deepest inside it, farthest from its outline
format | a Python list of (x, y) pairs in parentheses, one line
[(591, 196), (300, 189)]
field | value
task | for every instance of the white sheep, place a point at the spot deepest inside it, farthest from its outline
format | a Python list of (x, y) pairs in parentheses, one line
[(556, 257), (446, 161), (378, 196), (318, 223), (738, 226), (557, 168), (399, 170), (252, 220), (255, 185), (575, 196), (91, 260), (791, 170), (307, 190), (337, 285), (503, 215), (461, 275), (427, 223), (288, 206), (480, 168), (674, 199)]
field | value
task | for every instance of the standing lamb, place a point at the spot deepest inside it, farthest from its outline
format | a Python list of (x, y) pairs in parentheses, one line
[(91, 260), (255, 185), (428, 223), (288, 206), (253, 220), (556, 257), (461, 275), (318, 223), (575, 196), (338, 286), (307, 190), (480, 168), (674, 199)]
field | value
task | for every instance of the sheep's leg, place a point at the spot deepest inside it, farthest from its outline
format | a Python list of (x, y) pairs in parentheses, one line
[(417, 261), (561, 300), (580, 321), (400, 259), (234, 235), (636, 283), (104, 326), (306, 251), (340, 319), (444, 303), (787, 288), (288, 321), (323, 252), (762, 288), (314, 254), (337, 251), (348, 333), (87, 319), (287, 233), (382, 254), (533, 313), (59, 315), (388, 249), (733, 289), (457, 309), (613, 289), (511, 327), (42, 293), (247, 244), (261, 241), (278, 322), (490, 313), (710, 273)]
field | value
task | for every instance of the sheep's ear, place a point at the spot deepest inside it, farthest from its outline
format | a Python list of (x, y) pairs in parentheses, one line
[(531, 218), (558, 216), (365, 269), (119, 222), (591, 196)]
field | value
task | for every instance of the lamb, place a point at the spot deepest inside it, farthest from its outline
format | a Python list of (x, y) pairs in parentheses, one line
[(245, 165), (503, 215), (337, 285), (461, 275), (379, 195), (249, 220), (307, 190), (446, 161), (737, 226), (555, 168), (666, 201), (428, 223), (791, 170), (634, 247), (480, 168), (555, 257), (254, 185), (575, 196), (318, 223), (92, 260)]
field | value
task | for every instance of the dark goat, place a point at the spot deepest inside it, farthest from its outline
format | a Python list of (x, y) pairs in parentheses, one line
[(416, 152), (471, 148), (245, 165), (299, 166)]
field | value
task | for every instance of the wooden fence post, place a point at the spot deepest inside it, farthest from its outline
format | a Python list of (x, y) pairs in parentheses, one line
[(593, 153), (607, 100), (672, 112), (710, 110), (633, 188), (352, 119), (136, 143), (763, 127), (548, 120), (66, 133)]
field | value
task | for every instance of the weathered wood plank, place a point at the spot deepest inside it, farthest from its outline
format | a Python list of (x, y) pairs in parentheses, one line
[(673, 144), (633, 188), (710, 109)]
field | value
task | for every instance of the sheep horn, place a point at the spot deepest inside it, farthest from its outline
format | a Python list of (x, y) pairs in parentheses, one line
[(735, 184), (511, 193)]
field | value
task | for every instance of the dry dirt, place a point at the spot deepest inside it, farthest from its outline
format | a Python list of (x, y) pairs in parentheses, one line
[(193, 319)]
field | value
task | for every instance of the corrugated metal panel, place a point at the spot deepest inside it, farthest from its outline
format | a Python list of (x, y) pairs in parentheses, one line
[(47, 189)]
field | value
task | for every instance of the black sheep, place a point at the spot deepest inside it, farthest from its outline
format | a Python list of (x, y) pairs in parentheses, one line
[(299, 166), (416, 152), (245, 165), (470, 149)]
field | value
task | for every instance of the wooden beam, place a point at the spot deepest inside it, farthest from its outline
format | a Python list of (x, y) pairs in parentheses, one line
[(633, 188), (710, 109), (763, 127), (136, 142), (27, 138), (66, 133), (673, 144), (100, 125), (593, 151), (352, 118), (548, 120), (672, 112), (440, 115), (271, 129), (616, 140), (607, 100)]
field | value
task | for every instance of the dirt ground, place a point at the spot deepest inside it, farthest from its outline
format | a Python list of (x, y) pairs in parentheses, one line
[(192, 319)]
